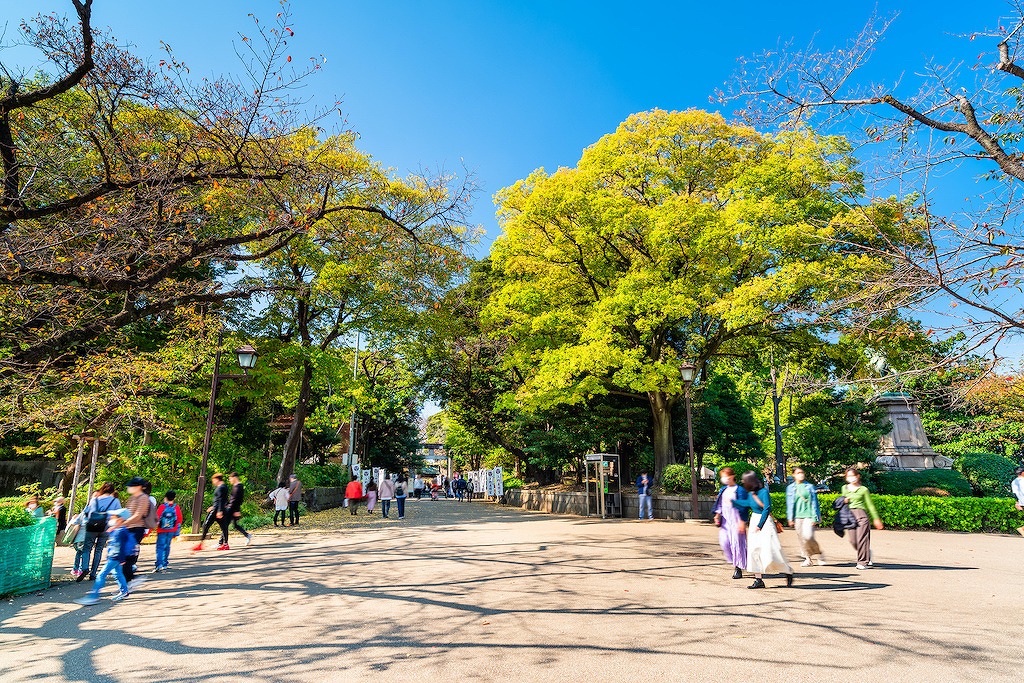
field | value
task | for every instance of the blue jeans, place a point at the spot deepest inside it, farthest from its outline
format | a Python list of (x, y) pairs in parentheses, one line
[(101, 578), (385, 507), (163, 548), (647, 501), (80, 560), (401, 506)]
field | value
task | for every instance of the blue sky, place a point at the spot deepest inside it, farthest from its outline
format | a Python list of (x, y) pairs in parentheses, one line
[(507, 87)]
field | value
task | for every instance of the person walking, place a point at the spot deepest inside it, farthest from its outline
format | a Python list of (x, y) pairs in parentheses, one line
[(417, 487), (78, 543), (804, 514), (858, 499), (643, 490), (216, 514), (141, 512), (280, 498), (168, 525), (353, 494), (764, 552), (32, 507), (731, 521), (120, 550), (386, 494), (401, 492), (294, 497), (235, 509), (61, 513), (371, 496), (1017, 486), (95, 515)]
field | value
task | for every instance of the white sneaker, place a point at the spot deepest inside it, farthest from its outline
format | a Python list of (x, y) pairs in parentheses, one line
[(136, 582), (248, 540), (89, 599), (862, 567), (119, 597), (822, 562), (805, 563)]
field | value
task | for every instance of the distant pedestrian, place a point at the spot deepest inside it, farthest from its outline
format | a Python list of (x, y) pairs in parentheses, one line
[(235, 509), (1017, 486), (460, 488), (401, 492), (280, 498), (142, 517), (294, 497), (371, 496), (353, 494), (731, 520), (417, 487), (61, 513), (858, 499), (804, 514), (644, 485), (216, 514), (78, 543), (32, 507), (168, 526), (386, 494), (764, 552), (120, 551), (96, 517)]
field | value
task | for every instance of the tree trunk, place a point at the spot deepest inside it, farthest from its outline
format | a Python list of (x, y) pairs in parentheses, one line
[(661, 437), (626, 452), (294, 442)]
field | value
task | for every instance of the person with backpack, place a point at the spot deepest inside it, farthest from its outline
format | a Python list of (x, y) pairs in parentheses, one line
[(142, 518), (95, 515), (216, 513), (235, 509), (168, 525), (120, 549), (386, 493), (401, 493), (279, 496)]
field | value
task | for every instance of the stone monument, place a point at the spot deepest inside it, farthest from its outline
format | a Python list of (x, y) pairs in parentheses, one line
[(906, 445)]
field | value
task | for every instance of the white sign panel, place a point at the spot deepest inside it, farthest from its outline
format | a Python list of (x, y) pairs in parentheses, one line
[(499, 482)]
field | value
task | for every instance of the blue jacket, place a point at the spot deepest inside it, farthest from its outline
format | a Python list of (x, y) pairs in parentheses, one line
[(743, 509), (120, 544), (791, 500), (642, 490), (759, 502)]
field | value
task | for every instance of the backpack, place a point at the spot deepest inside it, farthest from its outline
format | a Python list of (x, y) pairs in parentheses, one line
[(96, 522), (150, 520), (400, 490), (169, 517)]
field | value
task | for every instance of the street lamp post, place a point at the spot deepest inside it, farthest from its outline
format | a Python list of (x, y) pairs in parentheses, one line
[(247, 361), (687, 371)]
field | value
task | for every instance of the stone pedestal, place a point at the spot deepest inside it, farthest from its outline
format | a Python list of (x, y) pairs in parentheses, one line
[(906, 445)]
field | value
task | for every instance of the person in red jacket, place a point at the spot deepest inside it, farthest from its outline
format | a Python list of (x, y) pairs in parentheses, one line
[(353, 494), (168, 525)]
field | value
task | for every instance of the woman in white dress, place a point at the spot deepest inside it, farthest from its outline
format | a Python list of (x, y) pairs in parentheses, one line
[(764, 552)]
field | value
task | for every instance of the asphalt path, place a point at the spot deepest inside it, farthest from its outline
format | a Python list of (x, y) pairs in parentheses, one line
[(476, 592)]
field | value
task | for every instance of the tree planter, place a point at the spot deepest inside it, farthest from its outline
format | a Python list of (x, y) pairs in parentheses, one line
[(26, 557)]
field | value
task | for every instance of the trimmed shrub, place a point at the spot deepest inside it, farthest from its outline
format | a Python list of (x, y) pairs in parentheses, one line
[(512, 483), (905, 483), (675, 479), (925, 512), (989, 474), (740, 467), (14, 517)]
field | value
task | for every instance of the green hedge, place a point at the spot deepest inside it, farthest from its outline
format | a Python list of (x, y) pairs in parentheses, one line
[(739, 467), (988, 473), (675, 479), (905, 483), (925, 512), (14, 517)]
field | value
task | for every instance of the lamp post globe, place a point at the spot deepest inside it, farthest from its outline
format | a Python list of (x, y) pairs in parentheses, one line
[(247, 356), (687, 371)]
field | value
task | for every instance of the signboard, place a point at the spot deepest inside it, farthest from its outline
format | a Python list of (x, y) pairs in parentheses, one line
[(357, 473), (594, 457), (366, 478), (499, 482)]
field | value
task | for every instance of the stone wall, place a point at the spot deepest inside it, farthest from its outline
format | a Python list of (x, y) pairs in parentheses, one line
[(15, 473), (566, 503), (323, 498)]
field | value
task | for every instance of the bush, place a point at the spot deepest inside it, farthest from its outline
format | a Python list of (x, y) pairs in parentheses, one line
[(14, 516), (989, 474), (740, 467), (904, 483), (675, 479), (512, 483), (924, 512), (330, 474)]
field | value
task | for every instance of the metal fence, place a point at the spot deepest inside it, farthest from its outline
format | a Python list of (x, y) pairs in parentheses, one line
[(26, 557)]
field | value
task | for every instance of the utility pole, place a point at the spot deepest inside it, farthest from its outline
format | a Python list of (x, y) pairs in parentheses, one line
[(352, 422), (780, 457)]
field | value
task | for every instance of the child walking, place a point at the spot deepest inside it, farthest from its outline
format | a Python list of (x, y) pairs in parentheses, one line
[(168, 526), (120, 547)]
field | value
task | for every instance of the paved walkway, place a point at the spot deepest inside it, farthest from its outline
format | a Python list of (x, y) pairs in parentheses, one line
[(476, 592)]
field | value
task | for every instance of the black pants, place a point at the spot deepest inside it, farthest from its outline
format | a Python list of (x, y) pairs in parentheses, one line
[(235, 522), (353, 506), (211, 519), (283, 513), (293, 512), (129, 564), (401, 506)]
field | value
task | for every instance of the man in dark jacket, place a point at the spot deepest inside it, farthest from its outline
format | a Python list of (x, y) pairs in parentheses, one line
[(216, 513), (235, 509)]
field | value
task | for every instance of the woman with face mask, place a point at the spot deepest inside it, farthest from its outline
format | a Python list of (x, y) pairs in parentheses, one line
[(731, 521), (858, 498), (764, 552), (803, 513)]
